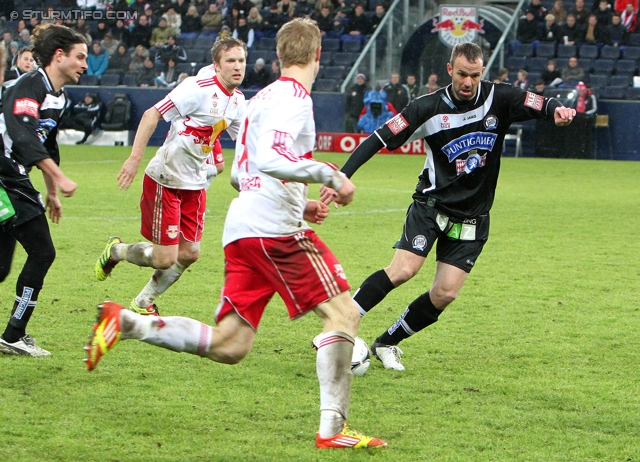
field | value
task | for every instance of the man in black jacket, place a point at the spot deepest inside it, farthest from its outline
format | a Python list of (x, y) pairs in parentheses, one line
[(354, 103)]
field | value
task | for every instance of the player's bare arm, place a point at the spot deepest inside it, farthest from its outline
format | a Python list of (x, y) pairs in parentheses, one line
[(54, 176), (147, 126), (563, 116)]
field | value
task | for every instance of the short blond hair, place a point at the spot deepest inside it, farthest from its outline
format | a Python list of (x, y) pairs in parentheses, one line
[(298, 41)]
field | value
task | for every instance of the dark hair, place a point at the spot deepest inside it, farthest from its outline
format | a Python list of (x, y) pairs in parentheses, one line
[(24, 50), (49, 38), (469, 50), (225, 44)]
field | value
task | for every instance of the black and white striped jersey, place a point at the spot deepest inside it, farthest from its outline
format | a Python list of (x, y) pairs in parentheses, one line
[(463, 142)]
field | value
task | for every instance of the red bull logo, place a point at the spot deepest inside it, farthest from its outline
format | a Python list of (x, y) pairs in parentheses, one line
[(200, 135), (457, 24)]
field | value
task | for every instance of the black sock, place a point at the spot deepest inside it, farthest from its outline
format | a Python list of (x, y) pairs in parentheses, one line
[(419, 314), (373, 290), (22, 310)]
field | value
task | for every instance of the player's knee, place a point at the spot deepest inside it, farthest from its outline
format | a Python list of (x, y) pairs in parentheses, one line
[(443, 296), (231, 355), (188, 258), (402, 274)]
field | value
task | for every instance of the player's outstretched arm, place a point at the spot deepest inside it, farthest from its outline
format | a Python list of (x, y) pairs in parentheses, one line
[(147, 126), (563, 115)]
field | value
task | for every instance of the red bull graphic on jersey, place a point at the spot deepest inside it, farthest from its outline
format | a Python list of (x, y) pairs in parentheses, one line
[(200, 135), (457, 24)]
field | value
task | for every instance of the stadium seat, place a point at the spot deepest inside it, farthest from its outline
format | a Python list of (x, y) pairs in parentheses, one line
[(533, 76), (203, 42), (185, 67), (626, 67), (537, 64), (514, 63), (195, 55), (351, 46), (325, 85), (561, 63), (567, 51), (632, 93), (603, 66), (524, 49), (344, 59), (130, 80), (330, 44), (266, 43), (110, 80), (335, 72), (599, 81), (634, 40), (326, 58), (631, 53), (620, 81), (610, 92), (546, 50), (610, 52), (588, 51), (89, 80)]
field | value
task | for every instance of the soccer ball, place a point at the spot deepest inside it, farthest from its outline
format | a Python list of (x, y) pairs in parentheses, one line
[(361, 359)]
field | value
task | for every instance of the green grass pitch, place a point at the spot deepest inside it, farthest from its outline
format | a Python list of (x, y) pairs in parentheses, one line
[(537, 360)]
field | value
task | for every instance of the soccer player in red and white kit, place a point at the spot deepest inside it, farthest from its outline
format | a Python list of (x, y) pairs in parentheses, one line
[(270, 248), (174, 197)]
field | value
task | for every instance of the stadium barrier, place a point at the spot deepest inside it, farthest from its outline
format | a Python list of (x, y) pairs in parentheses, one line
[(347, 142)]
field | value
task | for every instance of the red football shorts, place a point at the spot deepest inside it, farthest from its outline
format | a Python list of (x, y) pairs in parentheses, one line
[(300, 268), (167, 213)]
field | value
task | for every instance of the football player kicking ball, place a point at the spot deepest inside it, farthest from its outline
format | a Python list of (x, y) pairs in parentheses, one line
[(174, 197), (270, 248)]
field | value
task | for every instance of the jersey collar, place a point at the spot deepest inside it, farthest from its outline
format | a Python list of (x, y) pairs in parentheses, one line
[(290, 79), (48, 83), (224, 90)]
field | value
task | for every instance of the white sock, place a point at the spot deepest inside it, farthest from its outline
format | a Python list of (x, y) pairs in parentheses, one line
[(172, 332), (158, 284), (333, 366), (138, 254)]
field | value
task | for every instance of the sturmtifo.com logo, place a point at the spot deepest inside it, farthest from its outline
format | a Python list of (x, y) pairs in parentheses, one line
[(76, 14)]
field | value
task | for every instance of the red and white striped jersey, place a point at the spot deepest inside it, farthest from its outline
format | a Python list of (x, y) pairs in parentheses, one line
[(273, 163), (198, 109)]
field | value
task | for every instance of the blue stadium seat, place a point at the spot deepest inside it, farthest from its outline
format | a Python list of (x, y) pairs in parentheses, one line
[(537, 64), (130, 80), (352, 46), (599, 81), (89, 80), (335, 72), (626, 67), (326, 85), (326, 58), (631, 53), (567, 51), (330, 44), (266, 43), (620, 81), (634, 40), (344, 59), (203, 42), (632, 93), (588, 51), (195, 55), (610, 92), (524, 49), (610, 52), (546, 50), (514, 63), (603, 66), (110, 80), (185, 67)]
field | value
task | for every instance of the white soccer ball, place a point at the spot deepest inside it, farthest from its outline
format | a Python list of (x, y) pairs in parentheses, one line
[(361, 359)]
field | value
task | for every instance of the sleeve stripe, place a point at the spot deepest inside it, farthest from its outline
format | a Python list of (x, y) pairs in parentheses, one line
[(165, 106)]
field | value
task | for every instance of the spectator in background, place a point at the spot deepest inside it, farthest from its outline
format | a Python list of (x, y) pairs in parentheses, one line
[(621, 5), (573, 73), (86, 114), (303, 9), (528, 31), (539, 87), (377, 112), (82, 28), (201, 6), (618, 34), (581, 13), (376, 19), (233, 18), (7, 38), (629, 18), (585, 102), (120, 60), (32, 24), (321, 4), (272, 21), (109, 44), (254, 20), (551, 76), (324, 20), (141, 33), (160, 34), (559, 12), (354, 103), (171, 51), (97, 60), (571, 32), (340, 22), (359, 24), (169, 77), (138, 57), (258, 77), (147, 76), (539, 12), (24, 63), (244, 32), (153, 16), (224, 32), (396, 93), (100, 31), (275, 71), (121, 33), (603, 13), (550, 32), (430, 86), (244, 6), (503, 75), (180, 6), (412, 86), (211, 21), (222, 7), (596, 34), (191, 23), (24, 40), (174, 20), (12, 56), (286, 8), (522, 81)]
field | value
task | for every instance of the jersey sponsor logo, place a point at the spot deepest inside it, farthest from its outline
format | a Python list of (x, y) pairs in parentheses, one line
[(24, 302), (248, 184), (534, 101), (419, 242), (468, 142), (397, 124), (172, 231), (339, 271), (26, 106), (44, 128), (457, 24), (200, 135), (491, 122), (472, 116), (469, 164)]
